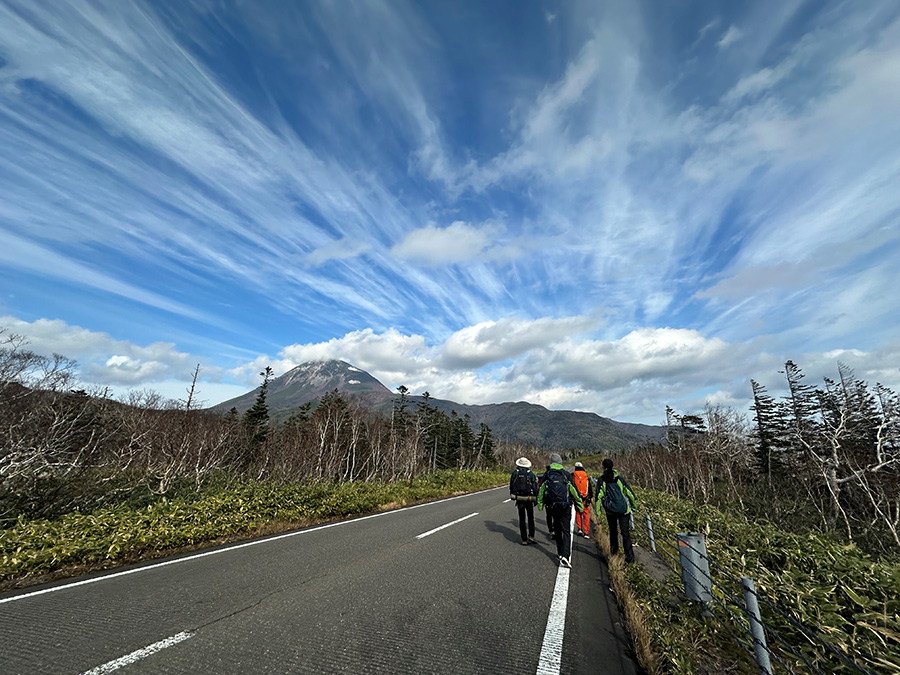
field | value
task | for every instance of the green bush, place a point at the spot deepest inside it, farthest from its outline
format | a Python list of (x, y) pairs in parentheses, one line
[(851, 600), (126, 532)]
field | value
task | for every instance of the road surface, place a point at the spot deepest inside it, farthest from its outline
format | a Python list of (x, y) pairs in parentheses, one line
[(443, 587)]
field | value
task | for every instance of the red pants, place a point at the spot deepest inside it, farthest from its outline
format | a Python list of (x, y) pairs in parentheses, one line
[(583, 520)]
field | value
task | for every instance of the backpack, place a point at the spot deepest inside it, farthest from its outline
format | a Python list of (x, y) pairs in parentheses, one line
[(521, 484), (614, 499), (581, 483), (557, 490)]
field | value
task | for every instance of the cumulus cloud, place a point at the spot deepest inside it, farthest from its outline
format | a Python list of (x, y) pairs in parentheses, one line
[(497, 341), (456, 243), (103, 360)]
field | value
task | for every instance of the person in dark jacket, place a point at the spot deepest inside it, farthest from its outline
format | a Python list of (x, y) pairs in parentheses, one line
[(557, 494), (523, 488), (617, 499)]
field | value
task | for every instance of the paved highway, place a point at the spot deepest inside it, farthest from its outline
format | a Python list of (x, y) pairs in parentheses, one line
[(443, 587)]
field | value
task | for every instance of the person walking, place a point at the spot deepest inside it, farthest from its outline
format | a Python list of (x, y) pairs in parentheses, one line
[(614, 493), (523, 488), (557, 494), (585, 488)]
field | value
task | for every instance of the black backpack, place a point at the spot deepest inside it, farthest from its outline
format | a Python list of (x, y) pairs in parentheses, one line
[(557, 490), (614, 499), (521, 484)]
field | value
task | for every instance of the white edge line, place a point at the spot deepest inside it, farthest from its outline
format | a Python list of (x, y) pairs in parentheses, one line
[(507, 500), (551, 650), (438, 529), (550, 660), (138, 654), (234, 548)]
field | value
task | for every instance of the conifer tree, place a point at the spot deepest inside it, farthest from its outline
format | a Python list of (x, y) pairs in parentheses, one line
[(256, 419), (768, 429)]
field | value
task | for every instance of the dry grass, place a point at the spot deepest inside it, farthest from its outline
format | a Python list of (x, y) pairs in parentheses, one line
[(635, 618)]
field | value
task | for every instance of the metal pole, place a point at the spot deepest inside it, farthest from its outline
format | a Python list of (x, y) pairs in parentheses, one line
[(631, 520), (650, 532), (694, 566), (760, 649)]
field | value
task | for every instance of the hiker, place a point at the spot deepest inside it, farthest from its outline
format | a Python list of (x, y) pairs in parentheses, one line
[(557, 494), (585, 487), (541, 480), (523, 488), (614, 493)]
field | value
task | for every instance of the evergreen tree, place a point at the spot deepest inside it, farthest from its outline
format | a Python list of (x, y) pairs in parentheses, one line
[(768, 429), (256, 419), (801, 405)]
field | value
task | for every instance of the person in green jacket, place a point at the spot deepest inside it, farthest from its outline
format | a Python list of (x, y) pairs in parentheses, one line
[(558, 493), (617, 499)]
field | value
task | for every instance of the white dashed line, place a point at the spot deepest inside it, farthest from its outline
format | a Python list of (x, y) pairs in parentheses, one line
[(438, 529), (139, 654)]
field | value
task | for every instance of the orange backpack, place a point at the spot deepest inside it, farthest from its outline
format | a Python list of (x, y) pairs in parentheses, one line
[(581, 482)]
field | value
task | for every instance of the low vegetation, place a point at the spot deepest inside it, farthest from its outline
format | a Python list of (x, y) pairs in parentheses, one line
[(113, 535), (838, 592)]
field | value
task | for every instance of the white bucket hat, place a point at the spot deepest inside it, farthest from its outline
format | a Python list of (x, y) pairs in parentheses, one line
[(579, 465), (524, 462)]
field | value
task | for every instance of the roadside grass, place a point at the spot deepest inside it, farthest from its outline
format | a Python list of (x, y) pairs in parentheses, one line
[(636, 617), (37, 550), (851, 600)]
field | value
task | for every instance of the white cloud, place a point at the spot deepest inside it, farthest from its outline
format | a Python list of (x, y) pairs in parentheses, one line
[(104, 360), (497, 341), (729, 37), (456, 243), (337, 250)]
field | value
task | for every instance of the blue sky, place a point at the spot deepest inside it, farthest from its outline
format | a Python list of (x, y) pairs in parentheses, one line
[(608, 206)]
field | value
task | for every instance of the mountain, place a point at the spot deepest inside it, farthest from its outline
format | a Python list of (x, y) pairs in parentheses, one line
[(310, 382), (523, 422)]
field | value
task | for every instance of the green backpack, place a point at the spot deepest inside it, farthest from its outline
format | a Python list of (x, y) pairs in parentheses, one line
[(614, 499)]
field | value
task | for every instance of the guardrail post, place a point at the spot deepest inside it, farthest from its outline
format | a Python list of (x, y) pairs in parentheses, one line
[(694, 566), (650, 532), (760, 649)]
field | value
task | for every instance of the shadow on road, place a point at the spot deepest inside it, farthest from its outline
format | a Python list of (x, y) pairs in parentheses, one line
[(511, 533)]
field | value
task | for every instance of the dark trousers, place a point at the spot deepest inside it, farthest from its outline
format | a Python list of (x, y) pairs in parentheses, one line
[(616, 522), (561, 517), (526, 508)]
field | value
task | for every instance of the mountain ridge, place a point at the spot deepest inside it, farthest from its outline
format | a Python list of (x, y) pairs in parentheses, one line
[(519, 421)]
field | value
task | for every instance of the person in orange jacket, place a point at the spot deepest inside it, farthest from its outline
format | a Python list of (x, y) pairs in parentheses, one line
[(586, 490)]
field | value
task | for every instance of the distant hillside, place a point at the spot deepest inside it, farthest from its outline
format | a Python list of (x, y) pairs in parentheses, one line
[(521, 422)]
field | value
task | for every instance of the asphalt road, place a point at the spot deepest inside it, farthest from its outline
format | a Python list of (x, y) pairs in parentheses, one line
[(368, 595)]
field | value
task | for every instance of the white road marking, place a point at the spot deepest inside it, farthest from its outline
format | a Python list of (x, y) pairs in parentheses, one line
[(551, 650), (139, 654), (438, 529), (233, 548), (550, 659), (506, 501)]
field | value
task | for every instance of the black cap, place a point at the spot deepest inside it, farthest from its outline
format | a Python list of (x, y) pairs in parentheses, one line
[(607, 463)]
